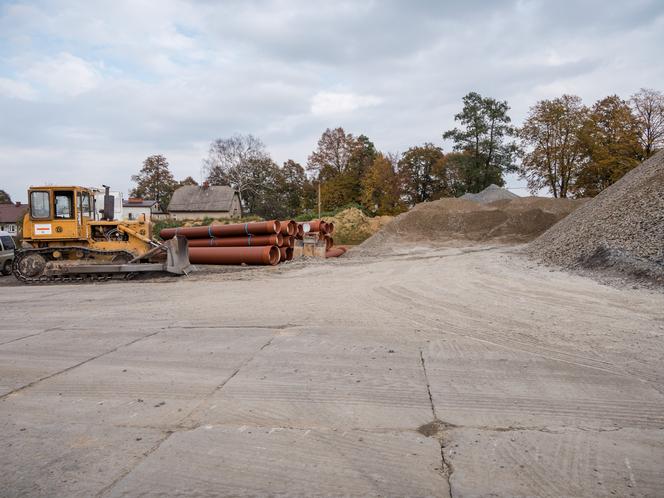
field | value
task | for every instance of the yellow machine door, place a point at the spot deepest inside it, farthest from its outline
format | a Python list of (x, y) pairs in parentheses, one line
[(66, 224)]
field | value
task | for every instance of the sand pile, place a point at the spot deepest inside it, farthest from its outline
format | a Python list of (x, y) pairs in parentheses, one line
[(450, 220), (620, 231), (490, 194), (352, 226)]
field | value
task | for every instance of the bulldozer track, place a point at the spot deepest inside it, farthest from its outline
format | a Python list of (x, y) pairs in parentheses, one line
[(50, 279)]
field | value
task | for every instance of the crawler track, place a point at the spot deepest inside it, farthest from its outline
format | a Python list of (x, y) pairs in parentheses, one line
[(47, 254)]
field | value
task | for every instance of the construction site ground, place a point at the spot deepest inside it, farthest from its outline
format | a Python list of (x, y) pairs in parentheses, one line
[(430, 372)]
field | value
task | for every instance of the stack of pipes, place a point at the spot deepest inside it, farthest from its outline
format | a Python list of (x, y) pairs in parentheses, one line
[(322, 231), (258, 243)]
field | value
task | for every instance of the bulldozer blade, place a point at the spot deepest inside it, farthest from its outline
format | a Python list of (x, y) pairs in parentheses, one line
[(177, 256)]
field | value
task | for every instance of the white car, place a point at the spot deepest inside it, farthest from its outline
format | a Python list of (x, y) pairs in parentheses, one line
[(7, 247)]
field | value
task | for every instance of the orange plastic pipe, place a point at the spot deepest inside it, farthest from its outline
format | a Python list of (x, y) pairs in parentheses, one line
[(288, 227), (288, 242), (258, 240), (318, 226), (234, 230), (286, 254), (335, 252), (258, 255)]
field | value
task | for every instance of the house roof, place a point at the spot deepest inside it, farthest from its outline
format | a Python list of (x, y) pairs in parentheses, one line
[(201, 198), (141, 203), (11, 213)]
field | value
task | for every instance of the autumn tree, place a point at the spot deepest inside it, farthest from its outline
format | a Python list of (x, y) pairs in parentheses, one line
[(154, 181), (555, 151), (484, 139), (332, 154), (339, 163), (294, 180), (5, 198), (611, 139), (231, 161), (380, 187), (648, 108), (426, 175)]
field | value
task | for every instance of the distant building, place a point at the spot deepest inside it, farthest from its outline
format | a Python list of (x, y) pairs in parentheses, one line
[(195, 202), (133, 207), (11, 216)]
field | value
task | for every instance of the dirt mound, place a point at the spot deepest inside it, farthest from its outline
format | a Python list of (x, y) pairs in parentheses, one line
[(490, 194), (448, 220), (352, 226), (620, 231)]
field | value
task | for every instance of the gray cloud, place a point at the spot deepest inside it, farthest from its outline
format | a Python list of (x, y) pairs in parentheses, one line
[(89, 89)]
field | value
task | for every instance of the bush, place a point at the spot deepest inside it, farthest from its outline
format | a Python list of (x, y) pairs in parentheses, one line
[(313, 214)]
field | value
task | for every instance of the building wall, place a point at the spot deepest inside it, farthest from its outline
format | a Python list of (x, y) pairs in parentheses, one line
[(11, 228), (236, 207), (133, 212), (199, 215)]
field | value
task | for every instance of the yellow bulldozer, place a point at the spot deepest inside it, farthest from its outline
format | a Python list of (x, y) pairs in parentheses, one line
[(67, 238)]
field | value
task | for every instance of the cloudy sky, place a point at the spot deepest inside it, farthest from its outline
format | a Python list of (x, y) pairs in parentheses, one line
[(88, 89)]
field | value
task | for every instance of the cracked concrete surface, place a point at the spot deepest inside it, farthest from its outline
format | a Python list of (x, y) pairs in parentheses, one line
[(443, 372)]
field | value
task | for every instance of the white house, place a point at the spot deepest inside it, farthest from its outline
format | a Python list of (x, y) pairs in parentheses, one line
[(133, 207)]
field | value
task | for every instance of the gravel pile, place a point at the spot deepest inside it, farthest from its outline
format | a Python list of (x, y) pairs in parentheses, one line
[(490, 194), (448, 221), (620, 231)]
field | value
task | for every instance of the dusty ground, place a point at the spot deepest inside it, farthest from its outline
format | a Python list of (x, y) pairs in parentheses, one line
[(469, 372)]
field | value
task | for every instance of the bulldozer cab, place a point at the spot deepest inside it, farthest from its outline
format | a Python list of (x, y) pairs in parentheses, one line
[(58, 213)]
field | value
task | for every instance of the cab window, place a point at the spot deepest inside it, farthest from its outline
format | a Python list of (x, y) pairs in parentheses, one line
[(6, 242), (86, 207), (64, 204), (39, 205)]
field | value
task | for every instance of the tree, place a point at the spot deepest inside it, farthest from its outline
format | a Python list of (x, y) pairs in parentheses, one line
[(294, 180), (266, 195), (556, 152), (187, 181), (362, 158), (231, 161), (155, 181), (380, 187), (332, 155), (5, 198), (648, 107), (483, 138), (611, 139), (339, 163), (423, 174)]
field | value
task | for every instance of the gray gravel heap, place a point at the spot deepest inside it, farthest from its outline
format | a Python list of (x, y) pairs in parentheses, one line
[(490, 194), (620, 231)]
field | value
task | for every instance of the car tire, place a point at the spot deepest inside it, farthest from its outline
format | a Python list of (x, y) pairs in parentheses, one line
[(7, 267)]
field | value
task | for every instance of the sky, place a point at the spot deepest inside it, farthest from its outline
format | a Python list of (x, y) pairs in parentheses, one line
[(88, 90)]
